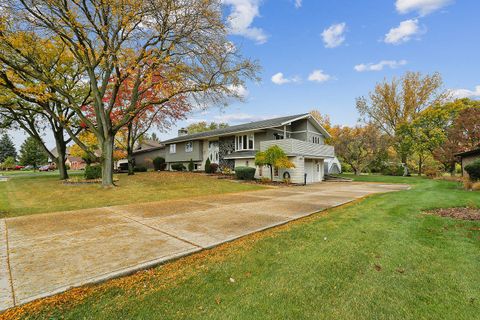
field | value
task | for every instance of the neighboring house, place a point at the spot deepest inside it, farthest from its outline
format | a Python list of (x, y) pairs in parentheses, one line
[(75, 163), (467, 158), (146, 152), (300, 136)]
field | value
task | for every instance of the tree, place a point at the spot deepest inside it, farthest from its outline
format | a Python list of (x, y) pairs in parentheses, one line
[(273, 157), (32, 153), (89, 150), (8, 163), (30, 104), (203, 126), (152, 137), (359, 146), (162, 118), (427, 132), (7, 148), (460, 130), (399, 102), (323, 119), (466, 129), (168, 47)]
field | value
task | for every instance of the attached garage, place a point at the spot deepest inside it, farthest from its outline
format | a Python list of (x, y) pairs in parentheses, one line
[(314, 170)]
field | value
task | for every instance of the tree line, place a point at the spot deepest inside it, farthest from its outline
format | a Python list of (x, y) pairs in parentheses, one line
[(407, 123), (112, 69)]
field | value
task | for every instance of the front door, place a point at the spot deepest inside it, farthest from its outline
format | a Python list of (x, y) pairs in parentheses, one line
[(213, 151)]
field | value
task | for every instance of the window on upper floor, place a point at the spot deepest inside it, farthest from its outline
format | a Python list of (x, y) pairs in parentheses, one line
[(189, 146), (316, 139), (244, 142), (278, 136), (173, 148)]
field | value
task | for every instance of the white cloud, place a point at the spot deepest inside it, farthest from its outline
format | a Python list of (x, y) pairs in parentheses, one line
[(239, 118), (423, 7), (298, 3), (465, 93), (318, 76), (379, 66), (279, 78), (241, 17), (334, 35), (239, 90), (404, 32)]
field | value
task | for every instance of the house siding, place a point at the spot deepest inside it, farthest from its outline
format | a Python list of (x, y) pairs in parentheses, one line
[(146, 158), (181, 156)]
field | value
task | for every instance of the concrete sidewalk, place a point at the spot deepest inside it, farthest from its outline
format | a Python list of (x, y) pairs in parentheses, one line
[(44, 254)]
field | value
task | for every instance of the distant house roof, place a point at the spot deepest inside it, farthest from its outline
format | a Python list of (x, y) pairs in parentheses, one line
[(75, 159), (257, 125), (473, 152), (147, 144)]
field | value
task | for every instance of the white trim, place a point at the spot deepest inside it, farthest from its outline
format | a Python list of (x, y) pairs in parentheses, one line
[(309, 117), (174, 145), (248, 135)]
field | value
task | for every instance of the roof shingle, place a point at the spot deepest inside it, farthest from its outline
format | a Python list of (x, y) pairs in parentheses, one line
[(263, 124)]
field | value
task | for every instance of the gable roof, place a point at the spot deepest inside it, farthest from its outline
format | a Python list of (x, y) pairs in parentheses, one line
[(473, 152), (148, 144), (257, 125)]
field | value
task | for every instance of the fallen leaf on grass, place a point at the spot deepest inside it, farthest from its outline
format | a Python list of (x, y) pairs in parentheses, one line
[(378, 267)]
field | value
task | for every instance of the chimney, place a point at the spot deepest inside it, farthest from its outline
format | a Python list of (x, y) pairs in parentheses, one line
[(182, 132)]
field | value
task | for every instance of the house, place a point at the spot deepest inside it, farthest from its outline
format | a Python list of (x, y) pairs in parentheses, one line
[(468, 157), (74, 163), (148, 150), (300, 136)]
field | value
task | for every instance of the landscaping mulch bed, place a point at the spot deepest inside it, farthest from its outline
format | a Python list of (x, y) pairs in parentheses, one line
[(457, 213)]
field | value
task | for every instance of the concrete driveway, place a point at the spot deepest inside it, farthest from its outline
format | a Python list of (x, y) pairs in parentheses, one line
[(44, 254)]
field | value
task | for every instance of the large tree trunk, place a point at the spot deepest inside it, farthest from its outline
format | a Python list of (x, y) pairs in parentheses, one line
[(107, 161), (62, 154), (130, 162), (420, 165), (130, 150)]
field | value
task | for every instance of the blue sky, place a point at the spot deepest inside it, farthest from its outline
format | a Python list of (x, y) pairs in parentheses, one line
[(324, 40), (293, 38)]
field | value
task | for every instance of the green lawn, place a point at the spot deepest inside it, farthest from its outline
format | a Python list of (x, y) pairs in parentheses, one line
[(42, 191), (379, 258)]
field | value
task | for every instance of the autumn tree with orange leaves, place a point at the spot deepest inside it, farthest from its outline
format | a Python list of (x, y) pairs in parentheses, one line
[(170, 48)]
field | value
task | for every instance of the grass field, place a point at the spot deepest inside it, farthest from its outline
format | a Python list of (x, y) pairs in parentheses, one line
[(378, 258), (42, 192)]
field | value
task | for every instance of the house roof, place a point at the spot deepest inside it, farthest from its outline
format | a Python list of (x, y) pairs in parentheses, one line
[(148, 144), (257, 125), (473, 152)]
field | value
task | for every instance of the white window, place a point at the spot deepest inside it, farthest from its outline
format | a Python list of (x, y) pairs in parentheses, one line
[(244, 142), (189, 146), (173, 148)]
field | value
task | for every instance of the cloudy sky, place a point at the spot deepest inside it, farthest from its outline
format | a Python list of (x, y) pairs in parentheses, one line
[(322, 54)]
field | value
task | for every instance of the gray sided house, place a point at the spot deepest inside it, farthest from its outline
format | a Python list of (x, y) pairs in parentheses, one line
[(300, 136), (147, 151), (467, 158)]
